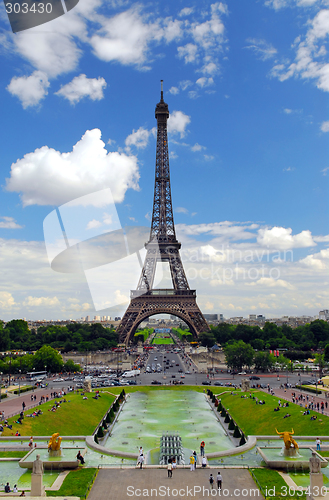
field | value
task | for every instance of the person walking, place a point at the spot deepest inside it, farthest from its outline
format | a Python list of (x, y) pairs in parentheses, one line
[(169, 468), (202, 445), (211, 481), (318, 444), (219, 480)]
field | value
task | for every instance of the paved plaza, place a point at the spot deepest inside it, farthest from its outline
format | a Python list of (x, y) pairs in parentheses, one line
[(124, 484)]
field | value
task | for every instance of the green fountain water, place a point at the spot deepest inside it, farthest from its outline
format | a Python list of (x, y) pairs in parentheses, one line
[(146, 416)]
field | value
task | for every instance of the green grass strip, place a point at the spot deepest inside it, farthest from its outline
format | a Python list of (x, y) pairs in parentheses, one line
[(77, 483), (274, 486)]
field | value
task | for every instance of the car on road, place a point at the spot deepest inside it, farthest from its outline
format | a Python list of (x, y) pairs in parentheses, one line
[(206, 382), (242, 373), (218, 383), (156, 382), (58, 380), (253, 377)]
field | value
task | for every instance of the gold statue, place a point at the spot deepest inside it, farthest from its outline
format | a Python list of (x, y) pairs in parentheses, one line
[(289, 441), (55, 442)]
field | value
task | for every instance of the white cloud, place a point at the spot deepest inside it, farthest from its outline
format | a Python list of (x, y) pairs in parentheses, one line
[(318, 261), (41, 301), (7, 301), (51, 48), (178, 122), (186, 11), (125, 37), (325, 126), (139, 138), (93, 224), (9, 223), (181, 210), (282, 238), (261, 48), (172, 30), (271, 282), (184, 84), (30, 90), (209, 68), (81, 86), (174, 90), (310, 61), (197, 147), (49, 177), (325, 170), (204, 82), (188, 52)]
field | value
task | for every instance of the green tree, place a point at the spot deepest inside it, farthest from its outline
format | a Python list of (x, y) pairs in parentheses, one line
[(264, 361), (321, 362), (49, 357), (207, 339), (238, 354)]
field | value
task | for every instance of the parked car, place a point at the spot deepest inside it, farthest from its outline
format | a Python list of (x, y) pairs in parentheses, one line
[(253, 377), (156, 382), (206, 382)]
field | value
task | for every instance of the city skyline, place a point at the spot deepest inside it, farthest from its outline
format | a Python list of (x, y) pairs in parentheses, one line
[(247, 89)]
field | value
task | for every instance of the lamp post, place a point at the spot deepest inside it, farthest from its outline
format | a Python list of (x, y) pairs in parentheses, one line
[(19, 382)]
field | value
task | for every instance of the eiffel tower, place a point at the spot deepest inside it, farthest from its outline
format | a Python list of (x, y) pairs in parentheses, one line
[(162, 246)]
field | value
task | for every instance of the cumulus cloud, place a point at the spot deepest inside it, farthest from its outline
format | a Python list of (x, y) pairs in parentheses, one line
[(310, 61), (271, 282), (41, 301), (197, 147), (188, 52), (125, 37), (178, 122), (81, 86), (139, 138), (283, 239), (49, 177), (9, 223), (30, 90), (7, 301), (318, 261), (325, 126)]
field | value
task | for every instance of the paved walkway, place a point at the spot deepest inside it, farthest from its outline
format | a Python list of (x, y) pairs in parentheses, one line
[(124, 484)]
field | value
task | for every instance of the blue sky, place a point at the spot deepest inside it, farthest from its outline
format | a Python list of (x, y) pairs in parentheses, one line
[(247, 86)]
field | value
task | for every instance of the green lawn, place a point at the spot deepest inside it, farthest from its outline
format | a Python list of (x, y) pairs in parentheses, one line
[(158, 341), (74, 418), (274, 486), (256, 419), (77, 483), (12, 454)]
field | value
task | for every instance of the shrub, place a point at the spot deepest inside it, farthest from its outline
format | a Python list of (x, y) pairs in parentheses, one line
[(213, 398), (104, 424), (223, 412), (242, 440), (231, 425), (236, 432), (227, 419), (220, 406), (96, 438), (100, 432)]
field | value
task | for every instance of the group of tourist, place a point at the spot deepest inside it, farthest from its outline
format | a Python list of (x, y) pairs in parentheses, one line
[(219, 481), (14, 490)]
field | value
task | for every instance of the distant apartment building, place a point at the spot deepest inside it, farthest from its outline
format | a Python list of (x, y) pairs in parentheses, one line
[(324, 315)]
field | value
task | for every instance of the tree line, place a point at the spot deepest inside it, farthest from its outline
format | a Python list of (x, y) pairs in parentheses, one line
[(15, 335)]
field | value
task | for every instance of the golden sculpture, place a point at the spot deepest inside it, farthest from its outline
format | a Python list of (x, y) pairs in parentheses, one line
[(55, 442), (289, 441)]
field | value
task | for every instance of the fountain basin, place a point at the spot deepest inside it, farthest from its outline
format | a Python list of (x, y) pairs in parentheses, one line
[(275, 458), (67, 460)]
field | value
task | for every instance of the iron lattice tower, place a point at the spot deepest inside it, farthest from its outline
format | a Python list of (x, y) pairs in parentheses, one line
[(162, 247)]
